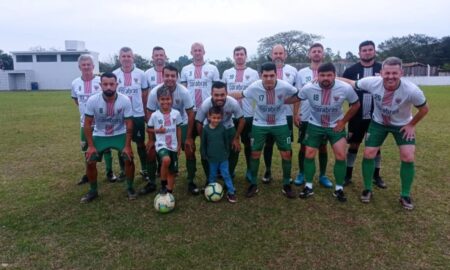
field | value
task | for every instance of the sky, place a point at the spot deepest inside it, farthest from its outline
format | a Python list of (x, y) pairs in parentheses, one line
[(106, 26)]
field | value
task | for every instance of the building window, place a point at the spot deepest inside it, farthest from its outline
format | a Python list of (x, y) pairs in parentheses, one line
[(46, 58), (24, 58), (69, 57)]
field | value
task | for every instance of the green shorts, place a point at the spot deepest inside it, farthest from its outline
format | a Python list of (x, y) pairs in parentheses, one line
[(302, 133), (281, 134), (316, 136), (103, 144), (173, 166), (138, 129), (83, 141), (377, 133)]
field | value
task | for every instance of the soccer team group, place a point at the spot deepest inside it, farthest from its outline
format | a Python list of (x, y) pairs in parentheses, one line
[(258, 110)]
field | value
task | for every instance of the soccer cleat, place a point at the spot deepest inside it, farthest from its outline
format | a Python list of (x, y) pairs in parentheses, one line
[(366, 196), (111, 177), (378, 181), (163, 191), (307, 192), (267, 177), (325, 181), (340, 196), (89, 197), (121, 177), (145, 176), (300, 180), (149, 188), (251, 191), (231, 198), (288, 192), (347, 181), (83, 180), (193, 189), (406, 202), (131, 194)]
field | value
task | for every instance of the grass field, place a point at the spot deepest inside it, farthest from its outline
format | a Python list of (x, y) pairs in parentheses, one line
[(43, 225)]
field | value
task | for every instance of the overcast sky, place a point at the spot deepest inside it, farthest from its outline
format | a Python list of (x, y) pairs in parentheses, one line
[(106, 26)]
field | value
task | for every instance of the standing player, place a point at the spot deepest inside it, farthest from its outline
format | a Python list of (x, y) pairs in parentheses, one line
[(304, 76), (182, 102), (358, 125), (132, 83), (270, 94), (82, 88), (327, 121), (238, 78), (154, 75), (198, 78), (286, 73), (113, 128), (164, 130), (393, 101)]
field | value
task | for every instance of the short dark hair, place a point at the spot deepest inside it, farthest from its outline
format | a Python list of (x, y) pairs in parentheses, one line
[(326, 67), (158, 48), (215, 110), (218, 84), (163, 91), (238, 48), (108, 75), (171, 68), (315, 45), (268, 66), (366, 43)]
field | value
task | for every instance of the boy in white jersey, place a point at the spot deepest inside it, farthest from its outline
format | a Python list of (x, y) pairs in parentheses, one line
[(113, 128), (164, 130), (132, 83), (82, 88), (154, 75), (197, 78), (393, 100), (327, 121), (238, 78)]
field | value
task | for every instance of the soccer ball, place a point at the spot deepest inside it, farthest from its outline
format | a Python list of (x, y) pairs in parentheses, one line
[(164, 203), (213, 192)]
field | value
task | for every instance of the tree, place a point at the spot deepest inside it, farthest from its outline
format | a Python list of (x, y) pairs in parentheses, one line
[(114, 63), (181, 62), (6, 61), (295, 42), (349, 56), (329, 55), (411, 48), (223, 65)]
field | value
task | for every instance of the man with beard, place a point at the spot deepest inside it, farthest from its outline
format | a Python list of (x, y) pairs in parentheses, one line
[(358, 125), (154, 75), (112, 113), (327, 121), (230, 107)]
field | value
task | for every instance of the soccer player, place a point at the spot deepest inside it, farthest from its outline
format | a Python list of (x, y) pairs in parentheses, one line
[(230, 107), (305, 75), (238, 78), (327, 120), (182, 102), (358, 125), (133, 83), (82, 88), (112, 113), (215, 149), (287, 73), (197, 78), (165, 132), (154, 75), (270, 94), (393, 99)]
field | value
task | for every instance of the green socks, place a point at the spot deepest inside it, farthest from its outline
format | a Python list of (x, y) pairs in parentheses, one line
[(191, 168), (310, 169), (339, 171), (323, 160), (143, 158), (368, 167), (93, 186), (407, 177), (108, 161), (254, 167), (286, 165)]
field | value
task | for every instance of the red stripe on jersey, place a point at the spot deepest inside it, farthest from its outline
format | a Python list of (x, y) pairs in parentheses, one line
[(166, 119), (87, 87), (198, 72), (159, 77), (198, 98), (109, 129), (326, 96), (128, 78), (168, 140), (270, 100), (315, 74), (387, 101), (239, 75), (280, 73), (110, 108)]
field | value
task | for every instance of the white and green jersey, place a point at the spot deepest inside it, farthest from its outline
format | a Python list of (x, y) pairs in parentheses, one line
[(238, 80), (153, 77), (392, 107), (199, 80), (304, 76), (288, 74), (82, 90), (326, 104), (230, 108), (170, 121), (109, 117), (131, 85), (181, 101), (269, 110)]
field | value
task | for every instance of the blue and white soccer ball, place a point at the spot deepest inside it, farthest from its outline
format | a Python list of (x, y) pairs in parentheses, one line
[(213, 192), (164, 203)]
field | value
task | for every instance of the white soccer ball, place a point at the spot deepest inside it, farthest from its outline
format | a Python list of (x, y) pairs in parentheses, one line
[(213, 192), (164, 203)]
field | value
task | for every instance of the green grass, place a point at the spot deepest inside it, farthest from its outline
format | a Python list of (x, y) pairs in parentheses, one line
[(43, 225)]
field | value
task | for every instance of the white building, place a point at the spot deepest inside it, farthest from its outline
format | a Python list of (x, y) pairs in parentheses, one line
[(53, 70)]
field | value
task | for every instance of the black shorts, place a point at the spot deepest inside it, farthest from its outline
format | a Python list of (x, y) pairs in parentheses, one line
[(357, 129)]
